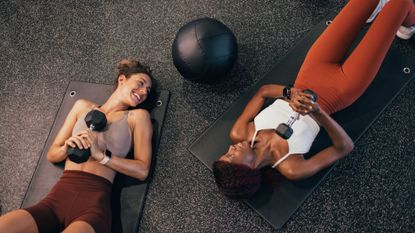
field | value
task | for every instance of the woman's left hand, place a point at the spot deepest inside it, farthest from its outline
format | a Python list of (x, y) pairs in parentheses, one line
[(302, 103), (96, 152)]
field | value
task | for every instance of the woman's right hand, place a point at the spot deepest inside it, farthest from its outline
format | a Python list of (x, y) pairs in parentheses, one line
[(80, 140), (302, 103)]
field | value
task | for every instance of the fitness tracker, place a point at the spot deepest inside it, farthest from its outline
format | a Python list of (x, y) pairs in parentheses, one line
[(104, 160), (286, 92), (107, 157)]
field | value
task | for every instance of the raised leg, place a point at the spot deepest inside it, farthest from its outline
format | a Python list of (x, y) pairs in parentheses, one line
[(410, 18), (361, 67), (335, 41)]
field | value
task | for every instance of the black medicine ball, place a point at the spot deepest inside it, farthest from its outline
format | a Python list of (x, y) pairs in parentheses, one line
[(204, 50)]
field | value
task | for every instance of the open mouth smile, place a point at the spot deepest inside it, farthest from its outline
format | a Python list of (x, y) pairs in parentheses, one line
[(137, 97)]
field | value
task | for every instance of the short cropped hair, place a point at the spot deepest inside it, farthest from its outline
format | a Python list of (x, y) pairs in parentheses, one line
[(236, 181)]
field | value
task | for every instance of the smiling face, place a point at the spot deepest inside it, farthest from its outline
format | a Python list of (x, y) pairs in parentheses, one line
[(239, 153), (134, 89)]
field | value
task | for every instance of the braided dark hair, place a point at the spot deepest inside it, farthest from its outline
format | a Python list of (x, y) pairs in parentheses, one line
[(128, 67), (236, 181)]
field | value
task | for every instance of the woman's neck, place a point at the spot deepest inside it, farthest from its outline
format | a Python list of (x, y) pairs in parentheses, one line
[(114, 104), (264, 156)]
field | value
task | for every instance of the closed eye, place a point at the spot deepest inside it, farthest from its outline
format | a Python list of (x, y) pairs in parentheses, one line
[(141, 84)]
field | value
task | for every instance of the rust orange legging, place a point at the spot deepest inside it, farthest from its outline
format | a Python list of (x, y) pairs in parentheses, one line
[(338, 84)]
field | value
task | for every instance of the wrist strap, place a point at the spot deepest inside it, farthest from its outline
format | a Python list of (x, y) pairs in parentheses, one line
[(104, 160), (286, 92)]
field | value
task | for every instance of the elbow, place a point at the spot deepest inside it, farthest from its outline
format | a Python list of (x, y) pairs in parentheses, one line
[(262, 90), (51, 157), (235, 136), (142, 174), (349, 147), (56, 154), (346, 147), (292, 174)]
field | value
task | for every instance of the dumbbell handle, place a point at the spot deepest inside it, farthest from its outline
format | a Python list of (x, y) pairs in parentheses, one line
[(292, 119), (313, 95), (296, 115), (78, 155)]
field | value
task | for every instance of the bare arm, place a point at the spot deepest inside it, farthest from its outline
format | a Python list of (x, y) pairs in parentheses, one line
[(57, 151), (298, 168), (139, 167), (239, 130)]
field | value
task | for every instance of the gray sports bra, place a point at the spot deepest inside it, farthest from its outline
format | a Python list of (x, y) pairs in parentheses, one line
[(117, 137)]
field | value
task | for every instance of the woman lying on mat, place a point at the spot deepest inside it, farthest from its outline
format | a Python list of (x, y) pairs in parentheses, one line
[(337, 84), (80, 201)]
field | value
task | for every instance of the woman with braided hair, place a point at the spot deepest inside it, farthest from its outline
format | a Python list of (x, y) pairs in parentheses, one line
[(80, 200), (337, 83)]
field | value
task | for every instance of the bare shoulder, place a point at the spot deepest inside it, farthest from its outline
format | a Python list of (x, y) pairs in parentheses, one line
[(139, 114), (139, 117), (82, 105)]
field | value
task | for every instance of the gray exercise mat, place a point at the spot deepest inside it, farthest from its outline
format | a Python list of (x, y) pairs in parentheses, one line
[(128, 194), (276, 205)]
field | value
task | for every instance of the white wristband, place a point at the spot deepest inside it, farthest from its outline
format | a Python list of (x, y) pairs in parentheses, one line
[(104, 160)]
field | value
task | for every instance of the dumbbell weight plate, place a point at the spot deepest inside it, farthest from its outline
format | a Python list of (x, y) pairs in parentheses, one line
[(314, 95), (97, 119), (77, 155), (284, 131)]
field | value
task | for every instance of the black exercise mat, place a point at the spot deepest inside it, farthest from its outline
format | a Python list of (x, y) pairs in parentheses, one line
[(276, 205), (128, 194)]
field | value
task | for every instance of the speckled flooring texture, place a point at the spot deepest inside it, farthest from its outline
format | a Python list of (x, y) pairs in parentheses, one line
[(46, 44)]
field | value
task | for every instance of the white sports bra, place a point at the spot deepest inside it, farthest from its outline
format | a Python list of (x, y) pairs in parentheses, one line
[(305, 128)]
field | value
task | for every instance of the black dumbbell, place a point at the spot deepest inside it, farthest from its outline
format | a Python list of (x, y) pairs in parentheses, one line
[(96, 121), (284, 130)]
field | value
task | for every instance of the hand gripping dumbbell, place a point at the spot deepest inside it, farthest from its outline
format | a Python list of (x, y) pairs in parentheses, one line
[(96, 121), (284, 130)]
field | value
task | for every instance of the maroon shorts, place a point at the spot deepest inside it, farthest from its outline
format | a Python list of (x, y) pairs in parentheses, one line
[(77, 196)]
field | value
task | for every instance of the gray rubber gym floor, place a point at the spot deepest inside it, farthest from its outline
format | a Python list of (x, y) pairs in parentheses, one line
[(46, 44)]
